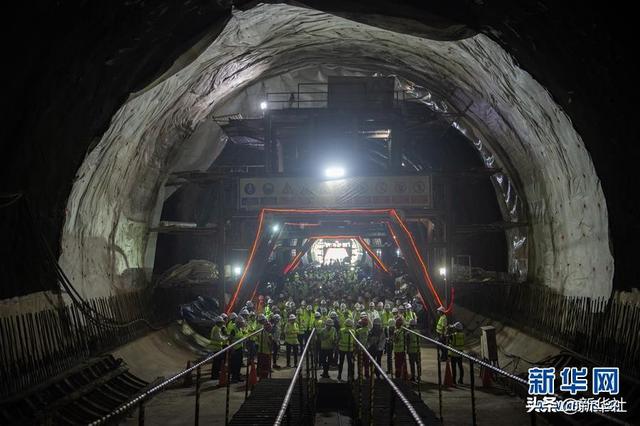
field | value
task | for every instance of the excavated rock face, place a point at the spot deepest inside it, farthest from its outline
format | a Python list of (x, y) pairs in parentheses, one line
[(116, 192)]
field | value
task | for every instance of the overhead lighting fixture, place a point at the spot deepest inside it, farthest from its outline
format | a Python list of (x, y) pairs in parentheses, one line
[(264, 105), (443, 272), (275, 227), (334, 172), (398, 252), (237, 270)]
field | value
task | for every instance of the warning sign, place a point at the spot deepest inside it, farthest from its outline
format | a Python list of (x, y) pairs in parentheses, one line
[(360, 192)]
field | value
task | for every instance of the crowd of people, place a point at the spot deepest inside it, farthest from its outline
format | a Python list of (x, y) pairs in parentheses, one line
[(339, 316)]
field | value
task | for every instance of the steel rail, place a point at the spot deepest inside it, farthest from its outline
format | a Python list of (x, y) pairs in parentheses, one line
[(149, 393), (405, 401), (504, 373), (296, 374)]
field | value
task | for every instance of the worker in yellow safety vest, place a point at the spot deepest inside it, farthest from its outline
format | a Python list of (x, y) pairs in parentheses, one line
[(291, 331), (239, 331), (265, 347), (399, 350), (413, 349), (328, 339), (441, 331), (362, 332), (456, 341), (218, 340), (345, 349)]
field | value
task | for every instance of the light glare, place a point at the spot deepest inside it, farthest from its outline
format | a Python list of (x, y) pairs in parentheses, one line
[(334, 172), (237, 270), (443, 272), (263, 105)]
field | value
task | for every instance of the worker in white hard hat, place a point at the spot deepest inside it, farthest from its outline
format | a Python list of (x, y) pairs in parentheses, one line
[(456, 341), (376, 343), (218, 341), (346, 346), (291, 340), (328, 340), (413, 349), (441, 330)]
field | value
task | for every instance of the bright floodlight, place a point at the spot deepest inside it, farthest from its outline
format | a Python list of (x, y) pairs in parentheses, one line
[(237, 270), (443, 271), (334, 172), (398, 252), (263, 105), (275, 227)]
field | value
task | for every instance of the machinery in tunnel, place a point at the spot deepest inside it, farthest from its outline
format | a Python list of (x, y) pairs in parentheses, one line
[(177, 162)]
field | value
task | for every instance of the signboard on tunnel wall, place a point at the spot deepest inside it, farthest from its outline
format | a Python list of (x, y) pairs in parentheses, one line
[(360, 192)]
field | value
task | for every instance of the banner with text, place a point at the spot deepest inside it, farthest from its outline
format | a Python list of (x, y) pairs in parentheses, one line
[(360, 192)]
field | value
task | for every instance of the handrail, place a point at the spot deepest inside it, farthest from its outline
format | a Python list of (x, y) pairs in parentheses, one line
[(502, 372), (296, 374), (147, 394), (471, 358), (395, 389)]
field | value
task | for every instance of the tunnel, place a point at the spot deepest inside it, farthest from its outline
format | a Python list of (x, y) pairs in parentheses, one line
[(168, 163)]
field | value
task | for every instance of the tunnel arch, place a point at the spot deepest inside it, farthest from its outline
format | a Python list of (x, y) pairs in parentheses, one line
[(116, 192)]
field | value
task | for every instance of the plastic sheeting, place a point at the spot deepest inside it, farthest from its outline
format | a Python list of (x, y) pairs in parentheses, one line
[(114, 198)]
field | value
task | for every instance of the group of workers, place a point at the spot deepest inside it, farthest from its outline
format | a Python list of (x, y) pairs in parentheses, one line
[(380, 327), (338, 281)]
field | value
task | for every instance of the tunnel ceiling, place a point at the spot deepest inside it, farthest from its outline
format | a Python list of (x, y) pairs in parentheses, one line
[(116, 188)]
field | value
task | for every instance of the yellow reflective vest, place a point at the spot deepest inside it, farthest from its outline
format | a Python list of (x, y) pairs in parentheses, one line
[(328, 338), (345, 343), (456, 342), (291, 331), (218, 340), (413, 343), (441, 326), (398, 341)]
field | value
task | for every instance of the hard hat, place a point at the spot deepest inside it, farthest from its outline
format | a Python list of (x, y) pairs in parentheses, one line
[(249, 304), (318, 314), (224, 316), (240, 321), (252, 314), (363, 314), (343, 306), (377, 321), (276, 317), (336, 304), (372, 305), (413, 321), (380, 305), (233, 316), (303, 303), (292, 317), (349, 322), (261, 318), (457, 325), (323, 310), (399, 322), (401, 308), (323, 302), (309, 308), (328, 323), (356, 306), (218, 319), (394, 311), (244, 312), (387, 306), (333, 314), (441, 309), (407, 305), (269, 302)]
